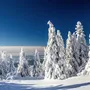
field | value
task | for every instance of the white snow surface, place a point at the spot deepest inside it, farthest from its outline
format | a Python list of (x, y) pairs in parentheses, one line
[(74, 83)]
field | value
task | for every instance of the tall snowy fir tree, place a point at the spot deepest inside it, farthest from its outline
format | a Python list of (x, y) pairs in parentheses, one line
[(60, 71), (71, 63), (81, 51), (37, 69), (76, 51), (23, 65), (86, 71), (53, 69), (60, 44)]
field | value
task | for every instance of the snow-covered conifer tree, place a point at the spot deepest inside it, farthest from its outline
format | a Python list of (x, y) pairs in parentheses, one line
[(86, 71), (72, 64), (53, 69), (60, 71), (23, 65), (3, 56), (37, 69), (81, 53), (60, 44), (11, 68), (3, 65)]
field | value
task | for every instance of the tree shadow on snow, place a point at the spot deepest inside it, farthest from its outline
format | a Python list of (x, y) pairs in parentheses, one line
[(61, 87), (28, 78), (13, 86)]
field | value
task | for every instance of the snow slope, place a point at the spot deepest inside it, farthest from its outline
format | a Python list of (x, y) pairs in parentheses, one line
[(74, 83)]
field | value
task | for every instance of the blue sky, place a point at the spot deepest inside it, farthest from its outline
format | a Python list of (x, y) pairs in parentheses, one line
[(24, 22)]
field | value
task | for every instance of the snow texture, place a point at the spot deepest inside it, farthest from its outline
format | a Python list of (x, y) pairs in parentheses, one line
[(74, 83)]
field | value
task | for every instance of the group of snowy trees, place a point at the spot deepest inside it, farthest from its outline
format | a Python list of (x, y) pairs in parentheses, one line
[(25, 70), (61, 62), (6, 65), (9, 71)]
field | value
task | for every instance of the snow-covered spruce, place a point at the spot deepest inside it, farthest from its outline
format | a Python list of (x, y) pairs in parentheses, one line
[(76, 51), (86, 71), (61, 49), (54, 68), (81, 48), (71, 63), (23, 69), (60, 70), (12, 69), (4, 67), (37, 68)]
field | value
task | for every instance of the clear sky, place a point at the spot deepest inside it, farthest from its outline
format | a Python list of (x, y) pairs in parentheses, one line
[(24, 22)]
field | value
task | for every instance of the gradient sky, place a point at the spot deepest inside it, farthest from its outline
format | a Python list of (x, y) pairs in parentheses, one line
[(24, 22)]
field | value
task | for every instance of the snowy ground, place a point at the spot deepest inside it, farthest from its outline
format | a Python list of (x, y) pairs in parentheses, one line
[(74, 83)]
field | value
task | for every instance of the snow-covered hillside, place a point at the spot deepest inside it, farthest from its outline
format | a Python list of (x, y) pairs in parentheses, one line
[(74, 83)]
